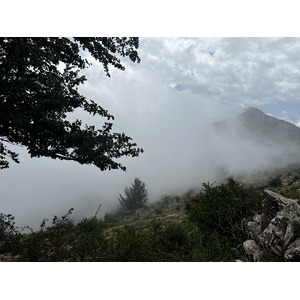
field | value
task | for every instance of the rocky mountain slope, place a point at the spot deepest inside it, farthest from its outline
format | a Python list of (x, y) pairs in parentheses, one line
[(251, 142), (263, 128)]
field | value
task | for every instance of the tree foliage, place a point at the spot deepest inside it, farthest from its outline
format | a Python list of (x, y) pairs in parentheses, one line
[(224, 208), (39, 79), (136, 196), (7, 232)]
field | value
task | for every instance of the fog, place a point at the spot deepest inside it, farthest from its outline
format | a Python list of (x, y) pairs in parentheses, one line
[(178, 157), (166, 104)]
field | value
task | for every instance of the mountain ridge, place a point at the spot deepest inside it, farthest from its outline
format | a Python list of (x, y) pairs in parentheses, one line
[(262, 127)]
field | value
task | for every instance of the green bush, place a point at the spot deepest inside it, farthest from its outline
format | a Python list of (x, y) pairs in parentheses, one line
[(9, 234), (225, 208), (156, 242), (275, 182), (50, 243), (64, 241), (90, 243), (109, 217)]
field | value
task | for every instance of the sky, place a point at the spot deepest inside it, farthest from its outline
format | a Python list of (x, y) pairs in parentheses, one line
[(163, 103)]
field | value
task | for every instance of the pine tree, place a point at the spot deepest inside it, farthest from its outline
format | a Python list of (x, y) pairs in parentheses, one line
[(136, 196)]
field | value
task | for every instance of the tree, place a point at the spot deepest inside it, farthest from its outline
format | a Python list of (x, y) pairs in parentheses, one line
[(136, 196), (39, 79), (224, 208)]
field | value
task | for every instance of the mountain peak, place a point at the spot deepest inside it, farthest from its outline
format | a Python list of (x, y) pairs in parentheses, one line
[(253, 109), (255, 123)]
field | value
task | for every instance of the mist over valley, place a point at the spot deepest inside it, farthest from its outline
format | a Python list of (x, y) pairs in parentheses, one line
[(174, 162)]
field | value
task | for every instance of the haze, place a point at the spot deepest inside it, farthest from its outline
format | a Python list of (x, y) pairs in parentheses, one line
[(165, 103)]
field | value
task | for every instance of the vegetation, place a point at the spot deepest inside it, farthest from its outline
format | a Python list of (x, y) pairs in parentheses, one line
[(136, 196), (204, 227), (39, 79), (223, 209)]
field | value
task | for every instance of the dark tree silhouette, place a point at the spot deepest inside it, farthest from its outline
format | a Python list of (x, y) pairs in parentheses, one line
[(136, 196), (39, 79)]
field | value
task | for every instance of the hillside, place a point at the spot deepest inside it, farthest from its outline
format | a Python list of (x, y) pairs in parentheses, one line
[(260, 127), (248, 143), (285, 181)]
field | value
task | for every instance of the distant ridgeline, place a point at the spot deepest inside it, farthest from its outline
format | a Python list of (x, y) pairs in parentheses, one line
[(262, 130), (260, 126)]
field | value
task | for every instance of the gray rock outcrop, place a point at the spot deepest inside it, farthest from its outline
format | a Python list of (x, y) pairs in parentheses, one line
[(252, 251), (273, 203), (273, 230)]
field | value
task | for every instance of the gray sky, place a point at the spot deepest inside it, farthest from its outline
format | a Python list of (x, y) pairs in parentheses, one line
[(180, 86)]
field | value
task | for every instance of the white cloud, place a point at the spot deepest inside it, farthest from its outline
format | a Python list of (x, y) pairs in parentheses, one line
[(249, 70), (290, 118)]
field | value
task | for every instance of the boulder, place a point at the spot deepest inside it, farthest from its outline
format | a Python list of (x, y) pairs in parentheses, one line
[(252, 251), (292, 253), (273, 203), (254, 227), (279, 233), (272, 237), (273, 229), (289, 235)]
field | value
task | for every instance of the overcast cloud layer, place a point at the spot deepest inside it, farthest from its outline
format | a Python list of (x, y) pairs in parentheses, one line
[(180, 86)]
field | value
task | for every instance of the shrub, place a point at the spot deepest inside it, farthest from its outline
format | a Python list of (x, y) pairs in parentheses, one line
[(50, 243), (109, 217), (90, 243), (64, 241), (275, 182), (9, 234), (224, 209)]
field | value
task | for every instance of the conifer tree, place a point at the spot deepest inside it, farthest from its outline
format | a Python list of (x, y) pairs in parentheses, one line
[(136, 196)]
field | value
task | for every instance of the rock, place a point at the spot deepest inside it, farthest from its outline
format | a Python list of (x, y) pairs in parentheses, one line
[(279, 232), (254, 227), (265, 221), (272, 237), (273, 203), (252, 251), (289, 234), (276, 235), (292, 253)]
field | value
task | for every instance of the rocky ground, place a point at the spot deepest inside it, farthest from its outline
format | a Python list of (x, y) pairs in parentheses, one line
[(276, 232)]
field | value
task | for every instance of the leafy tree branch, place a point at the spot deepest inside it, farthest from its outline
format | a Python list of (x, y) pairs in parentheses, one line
[(36, 96)]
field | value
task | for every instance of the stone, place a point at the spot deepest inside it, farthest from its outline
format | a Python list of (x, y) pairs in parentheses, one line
[(292, 253), (254, 227), (273, 229), (252, 251), (273, 203), (279, 232), (272, 237), (289, 235)]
